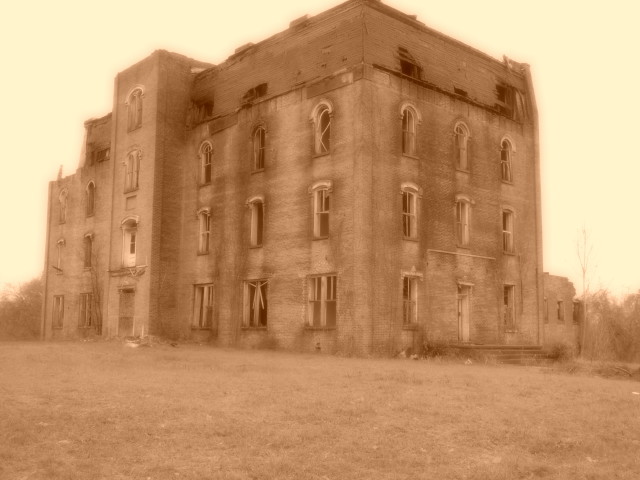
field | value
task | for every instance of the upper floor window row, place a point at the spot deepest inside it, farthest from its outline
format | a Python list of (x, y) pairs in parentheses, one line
[(134, 108)]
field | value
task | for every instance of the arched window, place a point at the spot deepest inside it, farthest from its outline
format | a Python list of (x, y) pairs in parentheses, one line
[(461, 135), (206, 160), (462, 220), (129, 241), (132, 171), (134, 104), (88, 250), (256, 205), (506, 157), (91, 198), (62, 200), (321, 118), (259, 145), (59, 244), (204, 230), (410, 193), (409, 131)]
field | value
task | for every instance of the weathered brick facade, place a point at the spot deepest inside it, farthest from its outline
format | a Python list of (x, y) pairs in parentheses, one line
[(420, 244)]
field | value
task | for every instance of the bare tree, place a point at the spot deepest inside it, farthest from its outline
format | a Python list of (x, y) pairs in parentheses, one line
[(584, 250)]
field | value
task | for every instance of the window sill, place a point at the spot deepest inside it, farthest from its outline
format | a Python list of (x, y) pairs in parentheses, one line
[(323, 154), (511, 254), (319, 329), (130, 190), (463, 170), (253, 247), (463, 247), (203, 253), (259, 170), (507, 182), (203, 184), (410, 239), (89, 215), (407, 155), (326, 237), (259, 329)]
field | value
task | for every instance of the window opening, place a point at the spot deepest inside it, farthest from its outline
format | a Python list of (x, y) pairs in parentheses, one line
[(86, 319), (257, 220), (321, 213), (129, 241), (507, 231), (462, 222), (58, 311), (408, 65), (62, 200), (409, 300), (204, 221), (135, 109), (408, 132), (91, 193), (560, 311), (505, 160), (509, 310), (462, 140), (322, 301), (132, 171), (258, 148), (323, 130), (409, 219), (206, 160), (203, 307), (256, 304), (88, 248)]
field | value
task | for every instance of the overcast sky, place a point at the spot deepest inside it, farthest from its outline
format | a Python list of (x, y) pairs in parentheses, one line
[(60, 58)]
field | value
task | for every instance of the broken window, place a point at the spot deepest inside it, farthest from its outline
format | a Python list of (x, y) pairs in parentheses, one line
[(256, 304), (506, 154), (257, 220), (58, 311), (259, 138), (102, 155), (134, 102), (254, 93), (408, 65), (204, 231), (62, 201), (203, 111), (206, 160), (203, 307), (511, 102), (322, 130), (560, 311), (91, 198), (86, 311), (322, 301), (132, 171), (461, 136), (409, 131), (409, 217), (507, 231), (462, 221), (409, 300), (509, 308), (321, 213), (129, 239), (88, 248)]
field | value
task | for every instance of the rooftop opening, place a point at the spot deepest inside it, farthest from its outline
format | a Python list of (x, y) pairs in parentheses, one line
[(408, 65)]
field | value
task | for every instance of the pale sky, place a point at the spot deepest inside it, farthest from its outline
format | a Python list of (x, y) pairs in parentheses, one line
[(60, 58)]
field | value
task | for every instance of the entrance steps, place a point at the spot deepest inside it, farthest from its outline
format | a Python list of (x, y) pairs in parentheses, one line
[(505, 354)]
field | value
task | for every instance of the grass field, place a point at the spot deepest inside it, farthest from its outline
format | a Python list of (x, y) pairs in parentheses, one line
[(105, 410)]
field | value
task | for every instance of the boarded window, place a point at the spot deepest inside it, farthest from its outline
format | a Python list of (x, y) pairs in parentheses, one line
[(322, 301), (323, 130)]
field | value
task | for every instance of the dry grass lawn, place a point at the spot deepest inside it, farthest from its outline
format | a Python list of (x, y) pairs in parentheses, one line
[(104, 410)]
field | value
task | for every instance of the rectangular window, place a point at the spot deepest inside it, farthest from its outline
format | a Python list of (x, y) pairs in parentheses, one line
[(321, 214), (560, 311), (88, 247), (462, 223), (255, 304), (58, 311), (507, 231), (409, 223), (256, 223), (509, 308), (322, 301), (204, 220), (86, 311), (102, 155), (132, 171), (409, 300), (203, 307), (258, 149)]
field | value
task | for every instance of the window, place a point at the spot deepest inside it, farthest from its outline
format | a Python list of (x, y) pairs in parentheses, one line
[(132, 171), (259, 138), (62, 200), (206, 158), (203, 307), (91, 198), (58, 311), (204, 231), (255, 304), (545, 310), (461, 135), (321, 213), (86, 311), (322, 301), (506, 153), (409, 221), (257, 221), (134, 102), (408, 65), (509, 308), (560, 311), (409, 300), (408, 131), (321, 119), (88, 247), (129, 239), (58, 266), (507, 231), (102, 155), (462, 221)]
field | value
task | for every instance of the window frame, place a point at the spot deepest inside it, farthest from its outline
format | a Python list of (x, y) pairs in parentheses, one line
[(134, 108), (205, 175), (204, 231), (86, 313), (462, 221), (508, 230), (410, 300), (129, 227), (90, 199), (87, 243), (258, 149), (322, 133), (57, 313), (62, 204), (59, 244), (203, 306), (461, 130), (509, 308), (252, 317), (409, 131), (322, 312), (257, 216), (132, 171), (507, 151)]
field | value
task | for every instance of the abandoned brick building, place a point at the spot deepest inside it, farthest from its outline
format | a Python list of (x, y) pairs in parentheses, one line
[(358, 182)]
